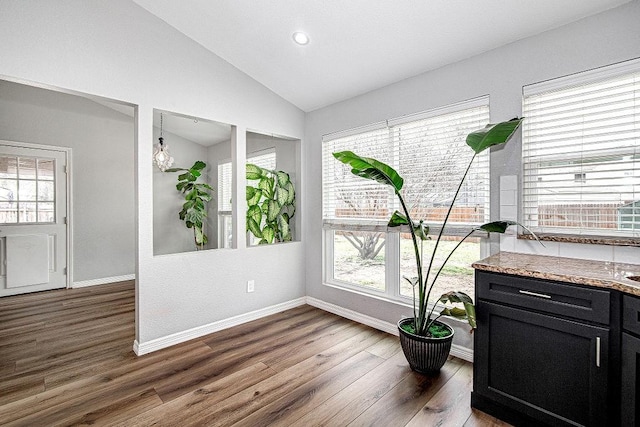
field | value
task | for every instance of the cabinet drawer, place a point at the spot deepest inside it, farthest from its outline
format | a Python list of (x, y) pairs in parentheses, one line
[(550, 297), (631, 314)]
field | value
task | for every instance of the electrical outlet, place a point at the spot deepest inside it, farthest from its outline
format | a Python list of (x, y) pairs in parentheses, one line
[(251, 284)]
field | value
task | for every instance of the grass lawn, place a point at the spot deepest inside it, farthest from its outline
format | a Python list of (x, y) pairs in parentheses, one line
[(456, 275)]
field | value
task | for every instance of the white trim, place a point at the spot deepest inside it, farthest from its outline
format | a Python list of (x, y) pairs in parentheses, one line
[(461, 352), (199, 331), (354, 131), (390, 328), (103, 280), (583, 77), (381, 325), (481, 101)]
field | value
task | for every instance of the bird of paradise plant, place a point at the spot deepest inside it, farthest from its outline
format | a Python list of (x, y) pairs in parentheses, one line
[(423, 316)]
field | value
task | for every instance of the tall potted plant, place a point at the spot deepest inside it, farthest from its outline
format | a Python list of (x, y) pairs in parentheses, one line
[(425, 341), (196, 195)]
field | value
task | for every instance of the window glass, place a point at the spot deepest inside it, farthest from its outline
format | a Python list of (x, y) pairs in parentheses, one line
[(429, 151), (26, 196), (581, 153), (359, 258)]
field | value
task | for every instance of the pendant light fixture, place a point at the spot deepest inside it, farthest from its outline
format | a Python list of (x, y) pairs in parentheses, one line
[(161, 156)]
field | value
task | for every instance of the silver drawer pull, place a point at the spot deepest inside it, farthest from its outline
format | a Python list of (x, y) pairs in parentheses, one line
[(535, 294), (598, 352)]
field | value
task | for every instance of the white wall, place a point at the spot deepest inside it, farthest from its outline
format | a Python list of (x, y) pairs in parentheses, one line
[(115, 49), (102, 144), (606, 38)]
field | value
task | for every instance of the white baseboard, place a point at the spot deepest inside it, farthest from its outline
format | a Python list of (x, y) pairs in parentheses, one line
[(354, 315), (456, 350), (462, 352), (197, 332), (180, 337), (103, 281)]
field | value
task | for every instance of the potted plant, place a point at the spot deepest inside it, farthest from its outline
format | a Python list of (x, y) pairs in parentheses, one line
[(426, 342), (270, 204), (196, 195)]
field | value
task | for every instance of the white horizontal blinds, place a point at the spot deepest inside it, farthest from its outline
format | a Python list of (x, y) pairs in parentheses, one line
[(224, 187), (346, 196), (581, 155), (433, 156), (265, 160)]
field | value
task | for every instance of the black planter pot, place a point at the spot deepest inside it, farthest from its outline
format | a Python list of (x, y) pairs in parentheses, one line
[(425, 354)]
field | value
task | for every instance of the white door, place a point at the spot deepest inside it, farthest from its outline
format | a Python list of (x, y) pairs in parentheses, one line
[(33, 216)]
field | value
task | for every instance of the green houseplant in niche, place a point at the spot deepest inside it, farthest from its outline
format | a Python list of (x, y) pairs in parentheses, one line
[(196, 195), (271, 204), (425, 341)]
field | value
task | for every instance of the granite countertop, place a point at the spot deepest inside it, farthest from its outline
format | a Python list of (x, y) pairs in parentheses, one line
[(602, 274)]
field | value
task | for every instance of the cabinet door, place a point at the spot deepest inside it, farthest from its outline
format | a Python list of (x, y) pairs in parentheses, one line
[(552, 369), (630, 380)]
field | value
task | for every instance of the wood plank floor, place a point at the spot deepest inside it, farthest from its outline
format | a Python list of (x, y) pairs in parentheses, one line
[(66, 359)]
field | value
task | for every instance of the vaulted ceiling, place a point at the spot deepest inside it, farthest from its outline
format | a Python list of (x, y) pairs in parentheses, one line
[(358, 45)]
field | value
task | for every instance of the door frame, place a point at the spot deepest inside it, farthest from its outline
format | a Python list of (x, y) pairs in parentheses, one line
[(69, 204)]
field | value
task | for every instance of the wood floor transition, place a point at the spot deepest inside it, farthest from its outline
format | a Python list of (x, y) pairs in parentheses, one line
[(66, 359)]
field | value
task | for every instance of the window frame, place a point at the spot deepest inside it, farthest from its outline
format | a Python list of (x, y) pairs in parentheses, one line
[(392, 288), (528, 161)]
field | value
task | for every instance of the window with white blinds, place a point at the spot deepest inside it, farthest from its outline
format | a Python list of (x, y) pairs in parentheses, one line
[(581, 153), (429, 151), (224, 187), (266, 159)]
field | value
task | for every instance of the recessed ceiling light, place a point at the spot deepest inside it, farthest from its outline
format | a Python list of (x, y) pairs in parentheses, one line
[(300, 38)]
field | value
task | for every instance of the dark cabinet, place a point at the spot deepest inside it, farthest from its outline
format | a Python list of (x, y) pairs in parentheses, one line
[(541, 351), (630, 393)]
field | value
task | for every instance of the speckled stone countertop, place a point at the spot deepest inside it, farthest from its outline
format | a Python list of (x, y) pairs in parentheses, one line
[(611, 275)]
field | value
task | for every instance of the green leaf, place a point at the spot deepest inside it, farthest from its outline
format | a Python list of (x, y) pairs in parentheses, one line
[(455, 297), (371, 169), (283, 225), (205, 197), (254, 172), (184, 176), (273, 210), (268, 233), (397, 219), (469, 312), (501, 227), (291, 193), (254, 228), (496, 226), (266, 185), (199, 236), (250, 193), (255, 194), (283, 178), (282, 196), (195, 173), (198, 166), (254, 212), (493, 134)]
